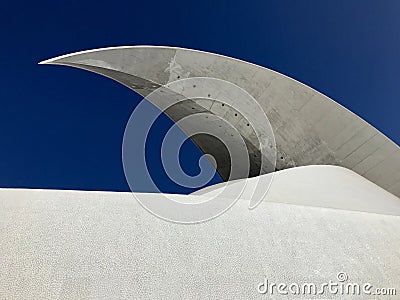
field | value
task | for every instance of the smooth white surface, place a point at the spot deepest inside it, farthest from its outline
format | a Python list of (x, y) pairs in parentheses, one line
[(104, 245), (320, 186)]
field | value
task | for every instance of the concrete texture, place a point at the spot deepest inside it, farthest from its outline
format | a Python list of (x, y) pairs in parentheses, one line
[(104, 245), (309, 127)]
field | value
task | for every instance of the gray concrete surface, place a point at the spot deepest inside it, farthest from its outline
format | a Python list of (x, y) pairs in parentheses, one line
[(104, 245), (309, 127)]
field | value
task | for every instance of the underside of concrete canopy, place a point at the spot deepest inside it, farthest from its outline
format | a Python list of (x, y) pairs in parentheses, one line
[(309, 128)]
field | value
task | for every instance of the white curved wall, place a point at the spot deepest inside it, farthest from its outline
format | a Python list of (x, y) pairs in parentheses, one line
[(104, 245)]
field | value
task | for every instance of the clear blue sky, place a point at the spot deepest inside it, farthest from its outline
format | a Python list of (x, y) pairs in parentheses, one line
[(62, 127)]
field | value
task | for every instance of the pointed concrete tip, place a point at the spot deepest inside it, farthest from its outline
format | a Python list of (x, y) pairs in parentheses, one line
[(47, 61), (59, 60)]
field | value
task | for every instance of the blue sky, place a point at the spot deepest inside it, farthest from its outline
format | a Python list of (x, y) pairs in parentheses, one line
[(62, 127)]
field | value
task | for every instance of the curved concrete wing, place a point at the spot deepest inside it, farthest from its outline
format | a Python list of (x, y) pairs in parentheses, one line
[(309, 127)]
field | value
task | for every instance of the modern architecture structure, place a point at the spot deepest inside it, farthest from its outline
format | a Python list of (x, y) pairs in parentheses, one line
[(332, 210)]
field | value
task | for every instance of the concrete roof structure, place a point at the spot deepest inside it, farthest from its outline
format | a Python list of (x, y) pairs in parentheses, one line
[(309, 127), (319, 224)]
